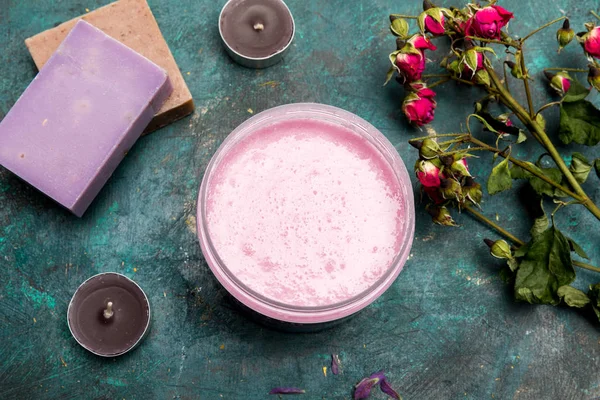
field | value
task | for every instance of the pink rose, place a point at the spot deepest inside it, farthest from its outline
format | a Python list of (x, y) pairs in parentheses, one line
[(419, 107), (411, 65), (434, 27), (428, 174), (421, 42), (488, 22), (591, 43)]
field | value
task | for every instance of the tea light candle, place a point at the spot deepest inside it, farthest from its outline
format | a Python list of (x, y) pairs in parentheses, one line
[(306, 213), (109, 314), (256, 33)]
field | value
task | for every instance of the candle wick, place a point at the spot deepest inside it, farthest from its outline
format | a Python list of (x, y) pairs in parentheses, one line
[(258, 26), (108, 312)]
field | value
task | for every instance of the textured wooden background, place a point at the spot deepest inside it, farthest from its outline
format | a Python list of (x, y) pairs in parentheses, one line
[(447, 329)]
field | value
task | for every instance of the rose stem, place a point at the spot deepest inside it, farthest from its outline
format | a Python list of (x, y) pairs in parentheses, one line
[(516, 240), (541, 136), (108, 312), (594, 14), (542, 27), (565, 69)]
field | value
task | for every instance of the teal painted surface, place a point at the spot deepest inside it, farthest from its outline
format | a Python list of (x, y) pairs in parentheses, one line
[(446, 329)]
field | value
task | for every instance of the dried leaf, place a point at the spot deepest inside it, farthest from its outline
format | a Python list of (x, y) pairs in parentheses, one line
[(500, 178), (545, 267), (580, 167), (577, 249), (579, 123), (399, 27), (594, 295), (540, 186), (573, 297), (287, 390)]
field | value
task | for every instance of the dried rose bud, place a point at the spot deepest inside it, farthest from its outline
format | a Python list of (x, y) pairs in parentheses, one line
[(472, 191), (460, 167), (421, 42), (335, 364), (427, 173), (435, 194), (488, 22), (472, 62), (419, 107), (561, 82), (515, 69), (434, 21), (410, 65), (564, 35), (429, 149), (591, 42), (450, 189), (594, 77), (427, 4), (440, 215), (499, 248)]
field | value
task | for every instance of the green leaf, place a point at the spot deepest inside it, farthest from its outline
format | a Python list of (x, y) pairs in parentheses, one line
[(573, 297), (597, 166), (539, 185), (576, 92), (470, 59), (500, 178), (579, 123), (482, 77), (522, 137), (545, 267), (521, 251), (580, 167), (399, 27), (577, 249)]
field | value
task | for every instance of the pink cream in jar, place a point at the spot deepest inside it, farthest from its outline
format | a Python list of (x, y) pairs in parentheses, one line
[(306, 214)]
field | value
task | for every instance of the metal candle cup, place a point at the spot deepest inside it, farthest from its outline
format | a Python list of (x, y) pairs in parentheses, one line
[(109, 314), (305, 215), (256, 33)]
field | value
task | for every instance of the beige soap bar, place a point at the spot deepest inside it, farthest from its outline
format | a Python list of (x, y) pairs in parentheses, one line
[(131, 22)]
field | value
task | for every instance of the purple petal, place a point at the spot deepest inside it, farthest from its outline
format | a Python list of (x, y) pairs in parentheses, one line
[(379, 375), (363, 388), (335, 364), (387, 389), (287, 390)]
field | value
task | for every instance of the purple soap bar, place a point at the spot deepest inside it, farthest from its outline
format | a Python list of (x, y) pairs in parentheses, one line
[(81, 114)]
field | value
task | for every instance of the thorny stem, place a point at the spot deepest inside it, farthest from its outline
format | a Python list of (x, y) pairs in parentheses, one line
[(492, 41), (565, 69), (495, 226), (436, 136), (526, 83), (436, 76), (525, 166), (505, 77), (594, 14), (404, 16), (539, 133), (515, 239), (542, 27), (441, 81), (554, 103)]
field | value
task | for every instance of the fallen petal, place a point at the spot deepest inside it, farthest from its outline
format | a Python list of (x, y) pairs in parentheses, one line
[(387, 389), (363, 388), (287, 390), (335, 364)]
